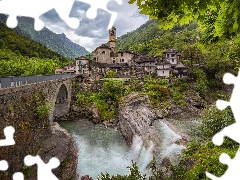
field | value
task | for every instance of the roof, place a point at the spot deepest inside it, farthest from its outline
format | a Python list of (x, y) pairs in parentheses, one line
[(163, 62), (83, 58), (103, 46), (144, 58), (117, 65), (180, 66)]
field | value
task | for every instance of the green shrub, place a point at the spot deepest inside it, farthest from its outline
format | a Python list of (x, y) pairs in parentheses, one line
[(43, 110), (214, 120), (110, 74)]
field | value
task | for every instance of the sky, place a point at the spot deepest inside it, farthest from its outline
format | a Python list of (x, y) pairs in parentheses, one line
[(91, 33)]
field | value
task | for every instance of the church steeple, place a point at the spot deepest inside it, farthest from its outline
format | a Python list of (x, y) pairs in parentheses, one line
[(112, 38)]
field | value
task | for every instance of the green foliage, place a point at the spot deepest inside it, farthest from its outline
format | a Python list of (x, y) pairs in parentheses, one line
[(43, 109), (110, 74), (218, 18), (112, 89), (15, 65), (201, 82), (133, 175), (214, 120)]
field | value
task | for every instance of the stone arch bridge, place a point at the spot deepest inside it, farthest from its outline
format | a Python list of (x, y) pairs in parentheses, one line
[(57, 89)]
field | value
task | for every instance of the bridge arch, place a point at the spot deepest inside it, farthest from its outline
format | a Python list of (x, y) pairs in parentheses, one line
[(60, 99)]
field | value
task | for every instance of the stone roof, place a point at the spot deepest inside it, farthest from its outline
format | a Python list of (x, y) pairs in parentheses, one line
[(113, 28), (82, 58), (117, 65), (163, 62), (144, 59), (180, 66), (103, 46)]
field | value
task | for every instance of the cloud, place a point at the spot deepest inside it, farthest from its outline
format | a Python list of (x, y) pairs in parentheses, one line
[(93, 32)]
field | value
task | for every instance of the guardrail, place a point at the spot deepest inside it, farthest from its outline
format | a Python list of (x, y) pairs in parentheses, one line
[(15, 81)]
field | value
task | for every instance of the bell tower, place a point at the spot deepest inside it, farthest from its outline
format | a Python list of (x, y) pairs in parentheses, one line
[(112, 38)]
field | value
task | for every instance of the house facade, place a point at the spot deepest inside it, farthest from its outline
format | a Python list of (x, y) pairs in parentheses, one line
[(163, 68)]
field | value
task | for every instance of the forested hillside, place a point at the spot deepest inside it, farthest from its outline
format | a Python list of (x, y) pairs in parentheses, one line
[(149, 39), (21, 56), (56, 42)]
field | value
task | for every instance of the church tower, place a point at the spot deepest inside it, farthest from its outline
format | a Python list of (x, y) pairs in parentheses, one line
[(112, 38)]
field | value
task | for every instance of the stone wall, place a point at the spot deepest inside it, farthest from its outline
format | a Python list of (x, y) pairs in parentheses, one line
[(34, 132)]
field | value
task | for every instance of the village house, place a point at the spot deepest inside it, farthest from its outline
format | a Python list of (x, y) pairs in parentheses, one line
[(125, 63), (70, 68), (163, 68)]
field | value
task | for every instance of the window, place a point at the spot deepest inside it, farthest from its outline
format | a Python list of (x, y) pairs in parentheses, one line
[(122, 60), (168, 55), (163, 72), (103, 52), (172, 55), (172, 60), (113, 61), (121, 54)]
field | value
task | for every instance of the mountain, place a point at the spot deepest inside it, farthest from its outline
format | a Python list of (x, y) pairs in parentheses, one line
[(56, 42), (149, 39)]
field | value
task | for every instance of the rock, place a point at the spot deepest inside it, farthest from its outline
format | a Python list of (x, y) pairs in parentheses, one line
[(138, 120), (159, 114), (165, 161), (86, 177), (60, 144), (135, 115)]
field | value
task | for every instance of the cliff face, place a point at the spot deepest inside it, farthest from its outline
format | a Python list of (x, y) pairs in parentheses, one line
[(34, 135), (139, 120)]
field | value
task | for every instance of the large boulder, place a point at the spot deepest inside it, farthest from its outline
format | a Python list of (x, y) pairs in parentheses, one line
[(141, 125), (136, 115), (60, 144)]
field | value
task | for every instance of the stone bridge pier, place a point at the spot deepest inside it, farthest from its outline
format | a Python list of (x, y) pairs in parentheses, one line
[(59, 95)]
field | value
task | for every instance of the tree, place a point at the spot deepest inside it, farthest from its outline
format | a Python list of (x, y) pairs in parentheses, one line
[(216, 18), (110, 74)]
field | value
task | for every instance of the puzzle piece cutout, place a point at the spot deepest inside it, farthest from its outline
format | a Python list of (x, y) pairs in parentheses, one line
[(8, 141), (230, 131), (8, 132), (232, 173), (44, 170), (18, 176), (35, 8)]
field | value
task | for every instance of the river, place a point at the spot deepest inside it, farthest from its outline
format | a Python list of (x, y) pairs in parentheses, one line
[(104, 149)]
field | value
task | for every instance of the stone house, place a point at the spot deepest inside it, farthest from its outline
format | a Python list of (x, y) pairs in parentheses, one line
[(173, 56), (147, 63), (125, 56), (163, 68), (128, 63), (181, 71), (70, 68), (102, 54)]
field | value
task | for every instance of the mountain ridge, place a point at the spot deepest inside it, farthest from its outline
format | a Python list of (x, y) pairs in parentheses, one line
[(56, 42)]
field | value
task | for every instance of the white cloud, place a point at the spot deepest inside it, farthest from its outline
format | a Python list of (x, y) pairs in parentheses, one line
[(93, 32)]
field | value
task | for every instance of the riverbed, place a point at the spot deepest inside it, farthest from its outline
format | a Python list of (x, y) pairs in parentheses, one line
[(102, 149)]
